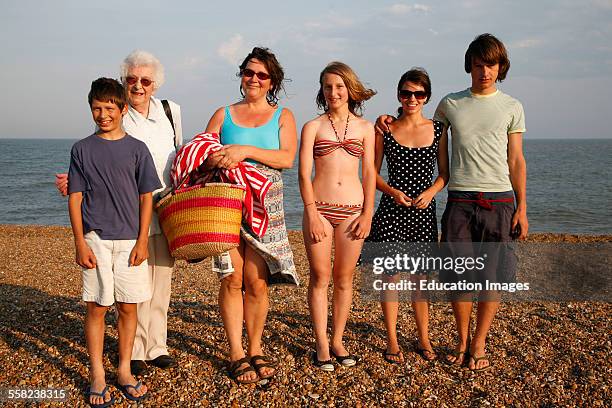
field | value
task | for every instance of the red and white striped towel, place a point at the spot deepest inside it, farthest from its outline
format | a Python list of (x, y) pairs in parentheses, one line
[(191, 155)]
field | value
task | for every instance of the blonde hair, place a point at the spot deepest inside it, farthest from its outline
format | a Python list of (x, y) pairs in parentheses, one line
[(357, 92)]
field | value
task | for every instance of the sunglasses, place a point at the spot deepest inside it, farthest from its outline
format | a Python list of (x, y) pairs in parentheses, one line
[(248, 73), (406, 94), (131, 80)]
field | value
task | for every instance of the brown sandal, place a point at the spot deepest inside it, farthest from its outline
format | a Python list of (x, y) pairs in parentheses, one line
[(235, 371), (265, 362)]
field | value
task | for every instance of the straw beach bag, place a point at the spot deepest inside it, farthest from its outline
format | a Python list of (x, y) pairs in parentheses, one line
[(201, 221)]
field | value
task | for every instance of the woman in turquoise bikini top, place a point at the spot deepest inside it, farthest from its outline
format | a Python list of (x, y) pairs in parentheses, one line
[(255, 129), (266, 136)]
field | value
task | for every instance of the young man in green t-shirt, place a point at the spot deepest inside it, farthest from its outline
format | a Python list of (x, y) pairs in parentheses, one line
[(488, 173)]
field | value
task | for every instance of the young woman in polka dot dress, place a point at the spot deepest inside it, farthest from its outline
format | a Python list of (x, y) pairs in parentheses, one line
[(407, 210)]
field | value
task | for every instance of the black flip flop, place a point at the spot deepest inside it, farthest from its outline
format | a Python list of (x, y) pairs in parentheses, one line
[(386, 355)]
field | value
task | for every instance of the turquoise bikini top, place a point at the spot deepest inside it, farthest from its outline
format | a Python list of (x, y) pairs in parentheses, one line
[(265, 136)]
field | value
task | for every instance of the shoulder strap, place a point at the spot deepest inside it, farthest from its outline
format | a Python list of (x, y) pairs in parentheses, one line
[(168, 113)]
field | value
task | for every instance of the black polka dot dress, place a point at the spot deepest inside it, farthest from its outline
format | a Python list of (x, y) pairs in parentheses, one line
[(411, 171)]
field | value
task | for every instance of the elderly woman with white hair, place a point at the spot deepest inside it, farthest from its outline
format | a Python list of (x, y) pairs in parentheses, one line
[(158, 124)]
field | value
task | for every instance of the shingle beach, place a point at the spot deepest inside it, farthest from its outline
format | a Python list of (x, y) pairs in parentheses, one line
[(544, 354)]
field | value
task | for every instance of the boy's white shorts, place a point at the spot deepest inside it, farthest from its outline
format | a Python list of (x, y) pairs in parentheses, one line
[(113, 279)]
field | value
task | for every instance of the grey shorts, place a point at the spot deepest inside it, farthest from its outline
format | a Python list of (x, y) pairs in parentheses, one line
[(485, 221)]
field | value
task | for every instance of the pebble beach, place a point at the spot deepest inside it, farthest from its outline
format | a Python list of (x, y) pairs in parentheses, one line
[(543, 354)]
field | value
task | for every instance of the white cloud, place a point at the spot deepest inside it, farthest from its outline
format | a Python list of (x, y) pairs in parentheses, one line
[(400, 8), (233, 49), (527, 43)]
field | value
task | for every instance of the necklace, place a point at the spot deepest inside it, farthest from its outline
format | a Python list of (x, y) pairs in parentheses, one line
[(333, 127)]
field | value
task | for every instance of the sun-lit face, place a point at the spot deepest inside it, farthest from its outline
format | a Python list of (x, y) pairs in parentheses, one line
[(252, 86), (139, 95), (334, 90), (483, 76), (412, 103), (107, 115)]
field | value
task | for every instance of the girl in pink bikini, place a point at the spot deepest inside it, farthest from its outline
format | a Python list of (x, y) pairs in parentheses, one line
[(338, 208)]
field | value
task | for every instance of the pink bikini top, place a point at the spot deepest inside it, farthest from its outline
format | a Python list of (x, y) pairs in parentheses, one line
[(354, 147)]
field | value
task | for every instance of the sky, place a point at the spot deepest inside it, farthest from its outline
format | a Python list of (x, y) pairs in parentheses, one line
[(560, 53)]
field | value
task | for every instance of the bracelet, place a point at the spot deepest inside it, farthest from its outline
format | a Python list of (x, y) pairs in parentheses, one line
[(306, 205)]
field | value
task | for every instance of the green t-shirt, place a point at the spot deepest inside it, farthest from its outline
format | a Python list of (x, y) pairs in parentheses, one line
[(479, 126)]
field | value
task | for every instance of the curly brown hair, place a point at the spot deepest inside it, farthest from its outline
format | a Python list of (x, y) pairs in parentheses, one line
[(277, 75), (357, 92)]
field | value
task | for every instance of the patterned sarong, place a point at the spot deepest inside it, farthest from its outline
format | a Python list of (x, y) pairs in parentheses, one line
[(274, 245)]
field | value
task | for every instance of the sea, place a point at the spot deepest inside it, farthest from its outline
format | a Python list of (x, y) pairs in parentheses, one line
[(569, 185)]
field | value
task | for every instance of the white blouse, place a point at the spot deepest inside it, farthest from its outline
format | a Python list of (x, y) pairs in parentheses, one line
[(156, 132)]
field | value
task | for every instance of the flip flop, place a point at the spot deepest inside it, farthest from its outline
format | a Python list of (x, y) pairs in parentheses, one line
[(126, 394), (235, 371), (387, 356), (421, 352), (476, 360), (456, 354), (344, 361), (264, 362), (102, 393)]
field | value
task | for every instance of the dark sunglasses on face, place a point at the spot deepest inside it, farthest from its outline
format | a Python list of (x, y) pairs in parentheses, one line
[(406, 94), (131, 80), (248, 73)]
